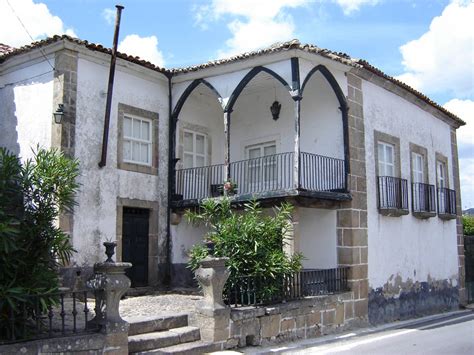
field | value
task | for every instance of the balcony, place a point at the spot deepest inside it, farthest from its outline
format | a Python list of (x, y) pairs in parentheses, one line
[(423, 200), (446, 203), (392, 196), (270, 176)]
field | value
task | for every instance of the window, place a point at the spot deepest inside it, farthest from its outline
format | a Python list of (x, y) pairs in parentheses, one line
[(392, 190), (137, 140), (386, 159), (194, 149), (441, 173), (417, 162), (262, 167)]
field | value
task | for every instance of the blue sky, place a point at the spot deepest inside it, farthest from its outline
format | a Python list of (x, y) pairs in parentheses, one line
[(426, 43)]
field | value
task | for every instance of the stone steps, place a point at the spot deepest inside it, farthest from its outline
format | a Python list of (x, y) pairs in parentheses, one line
[(141, 325), (161, 339), (191, 348)]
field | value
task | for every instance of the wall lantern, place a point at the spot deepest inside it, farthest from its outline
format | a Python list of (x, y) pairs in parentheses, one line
[(275, 109), (58, 114)]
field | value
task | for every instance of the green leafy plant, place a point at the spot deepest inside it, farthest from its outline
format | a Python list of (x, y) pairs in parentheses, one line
[(32, 246), (251, 239), (468, 224)]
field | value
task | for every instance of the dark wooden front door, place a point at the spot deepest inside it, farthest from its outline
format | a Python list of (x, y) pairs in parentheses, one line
[(135, 244)]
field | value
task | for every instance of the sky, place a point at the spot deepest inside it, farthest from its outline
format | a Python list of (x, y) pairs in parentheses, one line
[(429, 44)]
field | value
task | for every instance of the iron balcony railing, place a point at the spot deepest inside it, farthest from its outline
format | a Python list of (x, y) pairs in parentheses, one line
[(446, 201), (258, 291), (263, 174), (423, 197), (392, 193), (29, 317)]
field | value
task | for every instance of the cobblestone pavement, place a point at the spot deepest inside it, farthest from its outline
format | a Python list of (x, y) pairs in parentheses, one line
[(158, 304)]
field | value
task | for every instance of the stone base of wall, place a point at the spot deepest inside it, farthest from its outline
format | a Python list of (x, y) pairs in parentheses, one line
[(86, 344), (301, 319), (182, 276), (422, 298)]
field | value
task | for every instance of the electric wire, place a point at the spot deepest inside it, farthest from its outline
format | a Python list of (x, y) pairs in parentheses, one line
[(25, 79), (28, 33)]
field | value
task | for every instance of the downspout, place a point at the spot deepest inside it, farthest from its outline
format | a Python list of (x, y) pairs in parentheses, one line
[(108, 104), (171, 166)]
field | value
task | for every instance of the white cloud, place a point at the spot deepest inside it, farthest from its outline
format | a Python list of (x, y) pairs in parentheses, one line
[(465, 137), (351, 6), (109, 15), (37, 19), (143, 47), (442, 59), (253, 24)]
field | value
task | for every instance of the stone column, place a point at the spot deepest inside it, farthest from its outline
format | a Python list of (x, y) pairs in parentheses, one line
[(352, 246), (112, 283), (212, 315), (297, 144), (459, 226)]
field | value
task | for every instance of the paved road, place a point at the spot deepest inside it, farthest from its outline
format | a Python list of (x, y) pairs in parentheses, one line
[(453, 334)]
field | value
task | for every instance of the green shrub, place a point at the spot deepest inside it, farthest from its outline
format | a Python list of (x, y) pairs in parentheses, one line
[(32, 245), (468, 224), (252, 240)]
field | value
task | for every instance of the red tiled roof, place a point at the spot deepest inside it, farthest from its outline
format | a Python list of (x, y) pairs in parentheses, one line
[(279, 47), (5, 49)]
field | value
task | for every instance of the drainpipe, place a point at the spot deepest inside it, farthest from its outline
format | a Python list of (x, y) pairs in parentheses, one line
[(171, 185), (108, 104)]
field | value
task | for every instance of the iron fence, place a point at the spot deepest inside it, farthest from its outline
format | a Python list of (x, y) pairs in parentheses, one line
[(258, 291), (423, 197), (199, 183), (30, 317), (446, 201), (392, 193)]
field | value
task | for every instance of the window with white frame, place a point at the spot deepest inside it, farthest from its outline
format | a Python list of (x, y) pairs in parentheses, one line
[(441, 173), (137, 140), (417, 162), (262, 168), (194, 149), (386, 159)]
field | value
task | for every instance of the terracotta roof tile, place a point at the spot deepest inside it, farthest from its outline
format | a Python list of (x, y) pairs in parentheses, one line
[(5, 49), (7, 52)]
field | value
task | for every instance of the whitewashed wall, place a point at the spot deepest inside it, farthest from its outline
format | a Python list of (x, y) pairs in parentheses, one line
[(414, 249), (318, 238), (26, 108), (95, 215)]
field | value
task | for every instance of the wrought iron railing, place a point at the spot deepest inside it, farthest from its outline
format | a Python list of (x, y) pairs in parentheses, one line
[(320, 173), (263, 174), (268, 173), (199, 183), (257, 291), (423, 197), (29, 317), (446, 201), (392, 193)]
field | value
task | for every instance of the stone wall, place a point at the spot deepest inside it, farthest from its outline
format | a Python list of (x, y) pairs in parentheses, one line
[(300, 319), (412, 300), (91, 344)]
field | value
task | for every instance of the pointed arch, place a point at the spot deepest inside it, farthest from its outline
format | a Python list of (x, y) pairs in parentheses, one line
[(189, 90), (331, 80), (342, 106), (247, 78)]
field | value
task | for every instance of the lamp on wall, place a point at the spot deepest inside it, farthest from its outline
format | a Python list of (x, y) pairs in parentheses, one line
[(275, 109), (58, 114)]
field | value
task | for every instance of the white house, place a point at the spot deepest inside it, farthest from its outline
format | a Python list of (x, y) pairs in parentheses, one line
[(369, 163)]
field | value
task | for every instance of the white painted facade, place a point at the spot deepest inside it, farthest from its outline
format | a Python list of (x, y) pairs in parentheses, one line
[(414, 249), (26, 94), (95, 216)]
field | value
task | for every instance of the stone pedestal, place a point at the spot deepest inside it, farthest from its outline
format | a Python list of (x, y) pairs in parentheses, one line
[(212, 314), (111, 283)]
